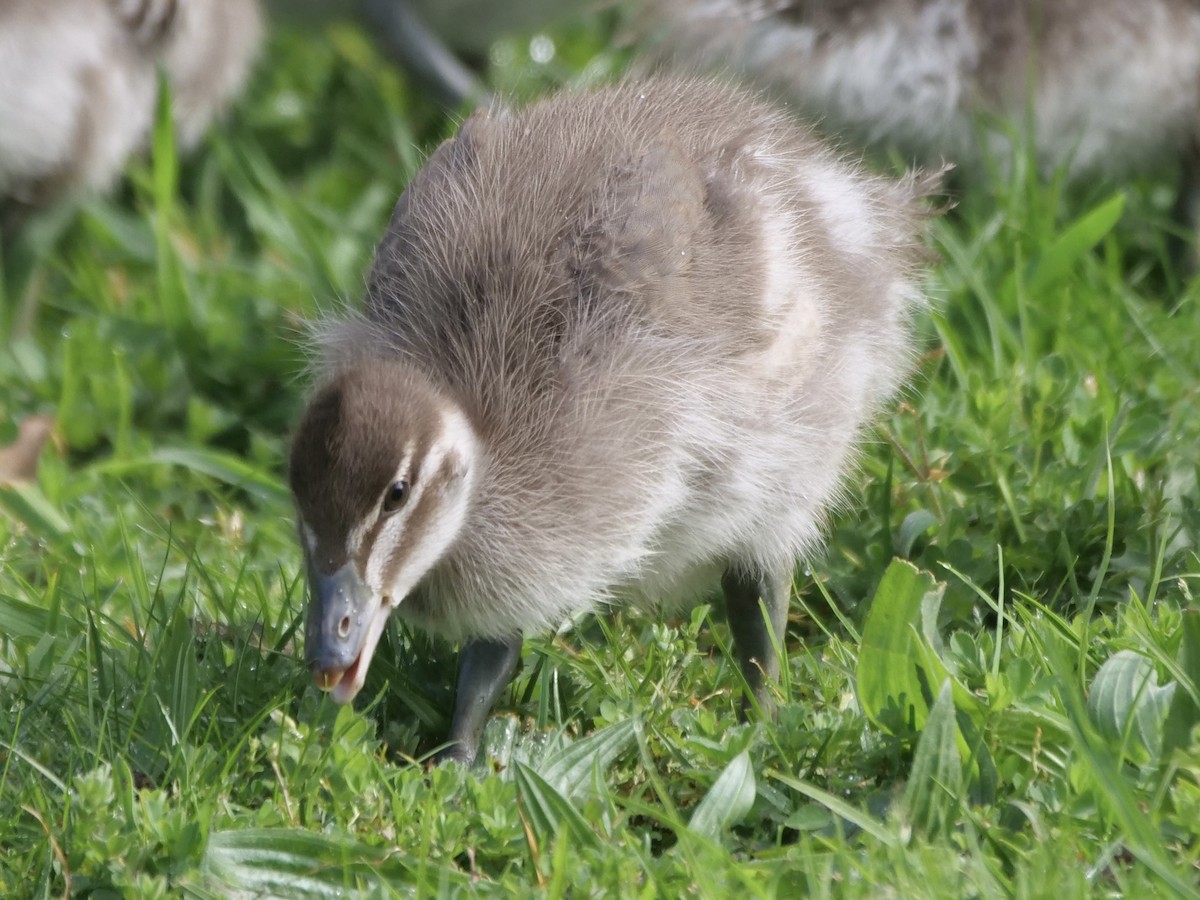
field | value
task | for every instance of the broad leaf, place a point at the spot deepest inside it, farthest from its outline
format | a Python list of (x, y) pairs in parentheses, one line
[(895, 674), (570, 769), (728, 801), (915, 524), (547, 810), (1128, 707), (290, 862), (935, 782)]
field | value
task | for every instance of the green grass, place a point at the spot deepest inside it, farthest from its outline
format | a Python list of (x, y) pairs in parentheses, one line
[(1007, 713)]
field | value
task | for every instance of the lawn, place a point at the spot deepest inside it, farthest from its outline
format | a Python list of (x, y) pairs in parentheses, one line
[(994, 668)]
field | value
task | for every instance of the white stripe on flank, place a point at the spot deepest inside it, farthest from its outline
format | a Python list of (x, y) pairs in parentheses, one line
[(788, 291)]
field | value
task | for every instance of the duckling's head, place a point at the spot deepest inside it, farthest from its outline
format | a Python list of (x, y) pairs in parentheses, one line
[(383, 467)]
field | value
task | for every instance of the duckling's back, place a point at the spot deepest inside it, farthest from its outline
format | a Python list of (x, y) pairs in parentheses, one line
[(669, 311)]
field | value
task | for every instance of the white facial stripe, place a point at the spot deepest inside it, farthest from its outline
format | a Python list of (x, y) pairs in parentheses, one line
[(459, 437), (447, 470), (388, 537), (386, 542), (354, 540), (438, 533)]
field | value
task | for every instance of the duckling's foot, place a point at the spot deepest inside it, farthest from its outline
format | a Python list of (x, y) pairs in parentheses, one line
[(485, 668), (756, 635)]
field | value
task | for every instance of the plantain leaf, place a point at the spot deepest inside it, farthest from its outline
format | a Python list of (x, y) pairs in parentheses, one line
[(895, 673), (569, 770), (728, 801), (915, 524), (1141, 835), (1128, 707), (935, 782), (547, 810), (291, 862)]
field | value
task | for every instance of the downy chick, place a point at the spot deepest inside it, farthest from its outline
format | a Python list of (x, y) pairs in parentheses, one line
[(618, 346), (79, 82), (1104, 87)]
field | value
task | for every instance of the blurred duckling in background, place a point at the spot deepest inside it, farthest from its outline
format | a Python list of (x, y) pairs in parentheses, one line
[(79, 82), (617, 347), (1102, 87)]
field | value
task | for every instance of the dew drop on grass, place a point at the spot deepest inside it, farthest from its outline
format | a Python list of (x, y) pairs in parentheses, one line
[(541, 49)]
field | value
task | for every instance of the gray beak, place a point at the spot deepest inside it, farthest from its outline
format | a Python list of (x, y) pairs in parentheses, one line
[(340, 609)]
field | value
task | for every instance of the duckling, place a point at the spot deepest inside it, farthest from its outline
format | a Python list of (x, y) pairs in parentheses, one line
[(79, 81), (617, 347), (1104, 86), (207, 53)]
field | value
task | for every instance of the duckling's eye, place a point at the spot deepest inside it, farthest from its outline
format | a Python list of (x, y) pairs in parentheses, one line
[(395, 496)]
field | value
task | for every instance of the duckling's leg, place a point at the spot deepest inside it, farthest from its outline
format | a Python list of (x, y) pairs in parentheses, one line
[(484, 670), (751, 638)]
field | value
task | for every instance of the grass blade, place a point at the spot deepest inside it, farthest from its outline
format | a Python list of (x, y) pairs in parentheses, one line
[(840, 808)]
